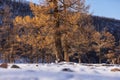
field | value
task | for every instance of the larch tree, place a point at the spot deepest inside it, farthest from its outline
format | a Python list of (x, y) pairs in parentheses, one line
[(101, 41), (6, 34), (82, 41), (55, 21), (67, 14)]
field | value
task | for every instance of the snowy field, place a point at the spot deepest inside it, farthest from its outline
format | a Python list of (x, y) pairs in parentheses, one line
[(60, 71)]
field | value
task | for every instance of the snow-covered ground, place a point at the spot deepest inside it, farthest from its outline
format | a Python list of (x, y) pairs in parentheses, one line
[(55, 72)]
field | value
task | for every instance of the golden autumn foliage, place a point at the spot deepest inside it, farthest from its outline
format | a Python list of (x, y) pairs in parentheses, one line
[(104, 40), (55, 22), (59, 30), (64, 27)]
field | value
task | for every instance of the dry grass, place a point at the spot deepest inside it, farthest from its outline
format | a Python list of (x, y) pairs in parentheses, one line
[(115, 69), (4, 65)]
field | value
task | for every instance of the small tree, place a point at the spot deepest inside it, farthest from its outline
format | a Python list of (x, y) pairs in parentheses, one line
[(102, 41), (6, 33)]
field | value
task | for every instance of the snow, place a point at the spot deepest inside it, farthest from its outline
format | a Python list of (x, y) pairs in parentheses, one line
[(54, 71)]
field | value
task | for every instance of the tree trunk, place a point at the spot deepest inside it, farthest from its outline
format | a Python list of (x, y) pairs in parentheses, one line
[(57, 36), (11, 55), (99, 57), (66, 56), (79, 57), (58, 47)]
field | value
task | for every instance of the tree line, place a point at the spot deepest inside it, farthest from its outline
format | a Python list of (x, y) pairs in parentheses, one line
[(57, 30)]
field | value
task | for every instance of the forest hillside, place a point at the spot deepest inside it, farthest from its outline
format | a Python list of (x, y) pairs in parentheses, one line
[(31, 33)]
